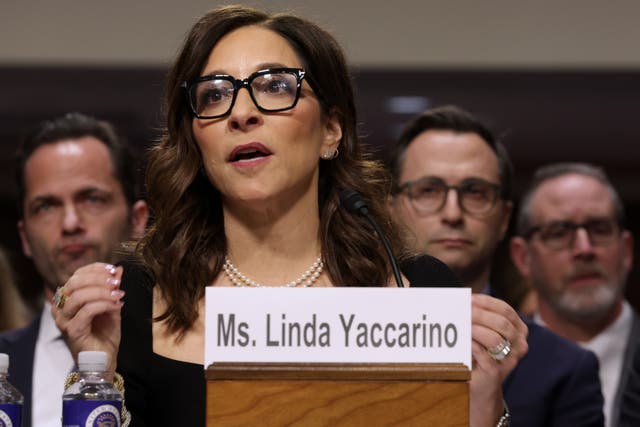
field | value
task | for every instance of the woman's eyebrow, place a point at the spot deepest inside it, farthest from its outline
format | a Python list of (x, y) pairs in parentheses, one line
[(259, 67)]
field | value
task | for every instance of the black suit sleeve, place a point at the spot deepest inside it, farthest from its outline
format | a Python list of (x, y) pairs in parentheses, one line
[(581, 397), (630, 405)]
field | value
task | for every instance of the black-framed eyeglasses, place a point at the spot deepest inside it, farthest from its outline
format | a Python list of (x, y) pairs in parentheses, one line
[(562, 234), (428, 195), (272, 90)]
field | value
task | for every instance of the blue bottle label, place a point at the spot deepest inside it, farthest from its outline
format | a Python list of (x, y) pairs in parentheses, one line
[(10, 415), (91, 413)]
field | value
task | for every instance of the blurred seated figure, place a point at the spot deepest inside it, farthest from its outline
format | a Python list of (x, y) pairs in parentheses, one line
[(77, 205), (13, 312), (573, 246), (452, 197)]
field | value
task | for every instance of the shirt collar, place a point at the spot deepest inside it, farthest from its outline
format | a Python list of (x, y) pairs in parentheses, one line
[(49, 332)]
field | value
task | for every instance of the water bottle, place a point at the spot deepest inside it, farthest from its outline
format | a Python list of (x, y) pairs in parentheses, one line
[(10, 398), (92, 401)]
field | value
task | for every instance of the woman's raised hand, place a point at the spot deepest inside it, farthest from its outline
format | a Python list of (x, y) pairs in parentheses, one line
[(87, 310), (499, 341)]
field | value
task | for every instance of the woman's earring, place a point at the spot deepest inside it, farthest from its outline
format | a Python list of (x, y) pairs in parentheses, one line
[(326, 155), (335, 154)]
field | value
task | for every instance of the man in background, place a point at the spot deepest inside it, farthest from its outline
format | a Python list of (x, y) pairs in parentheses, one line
[(572, 245), (452, 196), (77, 205)]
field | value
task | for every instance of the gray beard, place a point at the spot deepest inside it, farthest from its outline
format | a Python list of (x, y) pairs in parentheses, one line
[(574, 308)]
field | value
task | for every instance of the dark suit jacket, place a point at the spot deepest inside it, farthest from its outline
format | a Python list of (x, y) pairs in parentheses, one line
[(20, 345), (555, 384), (627, 403)]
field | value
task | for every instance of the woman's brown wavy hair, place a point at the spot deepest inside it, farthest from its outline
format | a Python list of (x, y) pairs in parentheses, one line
[(186, 246)]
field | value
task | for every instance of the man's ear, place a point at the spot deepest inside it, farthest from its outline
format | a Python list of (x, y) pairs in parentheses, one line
[(520, 255), (26, 247), (139, 218)]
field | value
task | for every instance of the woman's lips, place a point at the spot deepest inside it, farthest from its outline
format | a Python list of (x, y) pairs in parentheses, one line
[(255, 161), (248, 153)]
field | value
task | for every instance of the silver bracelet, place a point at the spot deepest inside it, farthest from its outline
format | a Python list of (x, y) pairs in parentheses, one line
[(505, 419)]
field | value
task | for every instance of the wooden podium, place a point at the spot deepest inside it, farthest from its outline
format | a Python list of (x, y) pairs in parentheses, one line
[(330, 394)]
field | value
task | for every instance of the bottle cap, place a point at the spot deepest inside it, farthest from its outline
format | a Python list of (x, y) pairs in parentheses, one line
[(4, 363), (92, 361)]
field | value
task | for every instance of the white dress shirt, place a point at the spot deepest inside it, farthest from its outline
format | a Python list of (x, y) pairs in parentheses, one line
[(52, 362), (609, 346)]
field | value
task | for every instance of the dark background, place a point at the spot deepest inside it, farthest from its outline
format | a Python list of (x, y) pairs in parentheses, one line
[(542, 116)]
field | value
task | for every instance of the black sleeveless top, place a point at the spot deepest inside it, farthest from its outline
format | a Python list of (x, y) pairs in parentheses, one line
[(166, 392), (158, 391)]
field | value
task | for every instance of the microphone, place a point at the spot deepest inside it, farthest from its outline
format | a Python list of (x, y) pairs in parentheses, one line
[(354, 203)]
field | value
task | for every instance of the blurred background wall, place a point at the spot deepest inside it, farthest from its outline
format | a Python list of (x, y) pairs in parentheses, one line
[(390, 34), (559, 80)]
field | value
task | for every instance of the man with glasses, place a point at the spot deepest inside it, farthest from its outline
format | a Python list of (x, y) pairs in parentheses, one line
[(573, 247), (452, 191), (452, 195)]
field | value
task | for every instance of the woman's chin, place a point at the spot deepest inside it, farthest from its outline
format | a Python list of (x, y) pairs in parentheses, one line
[(251, 199)]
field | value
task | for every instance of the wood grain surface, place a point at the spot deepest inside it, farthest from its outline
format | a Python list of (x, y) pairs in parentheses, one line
[(337, 395)]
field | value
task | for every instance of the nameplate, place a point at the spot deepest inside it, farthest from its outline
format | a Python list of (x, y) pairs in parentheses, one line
[(338, 325)]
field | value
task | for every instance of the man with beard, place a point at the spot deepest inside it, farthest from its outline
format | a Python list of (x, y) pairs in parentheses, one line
[(77, 205), (572, 245), (452, 194)]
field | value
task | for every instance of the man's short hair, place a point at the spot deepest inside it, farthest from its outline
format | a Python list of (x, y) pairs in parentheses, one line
[(74, 126), (455, 119), (555, 170)]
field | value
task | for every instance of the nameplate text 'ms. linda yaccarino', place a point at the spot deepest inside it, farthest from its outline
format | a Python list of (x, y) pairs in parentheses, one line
[(338, 325)]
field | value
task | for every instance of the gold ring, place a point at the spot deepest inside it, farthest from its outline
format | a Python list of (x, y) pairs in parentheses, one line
[(59, 298), (500, 351)]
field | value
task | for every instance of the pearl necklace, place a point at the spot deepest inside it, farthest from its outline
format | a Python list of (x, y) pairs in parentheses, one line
[(306, 280)]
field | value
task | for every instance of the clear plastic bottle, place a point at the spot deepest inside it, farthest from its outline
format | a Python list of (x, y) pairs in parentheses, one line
[(10, 398), (92, 401)]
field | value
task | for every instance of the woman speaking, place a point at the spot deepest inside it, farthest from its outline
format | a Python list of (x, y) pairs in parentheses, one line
[(245, 191)]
